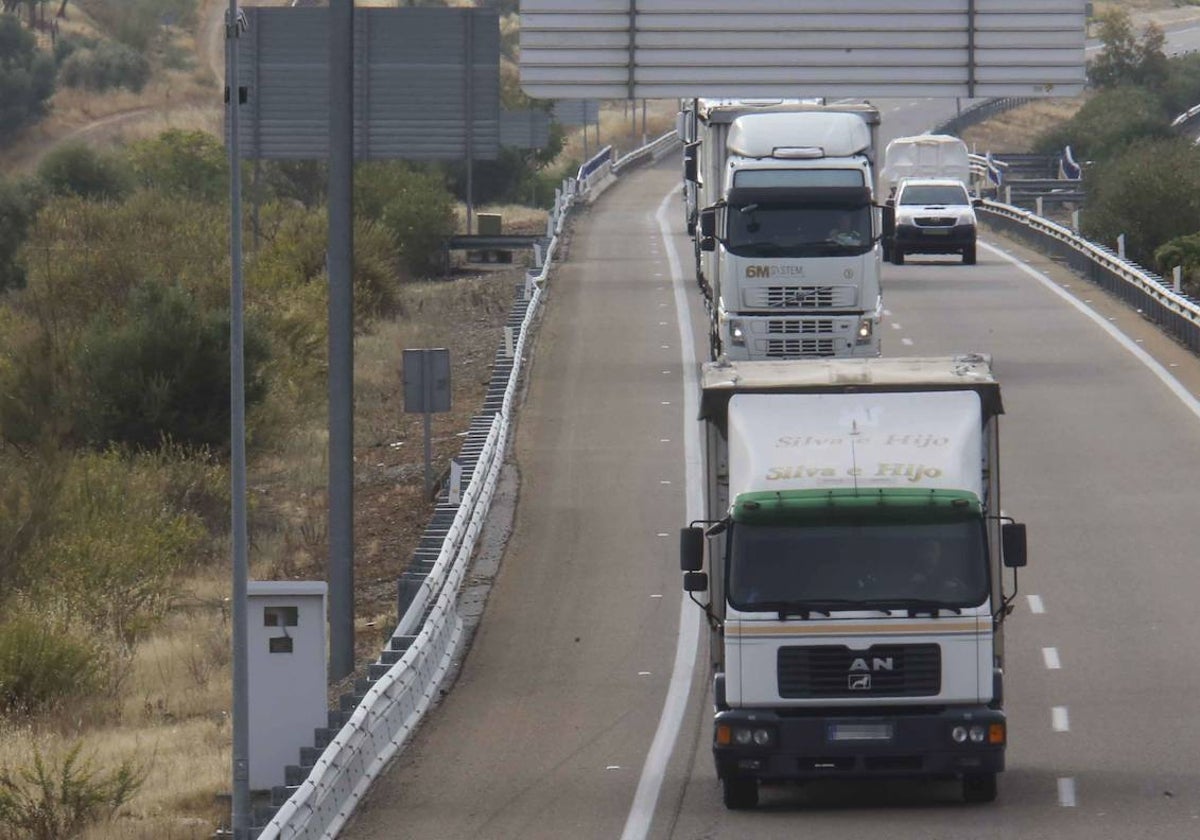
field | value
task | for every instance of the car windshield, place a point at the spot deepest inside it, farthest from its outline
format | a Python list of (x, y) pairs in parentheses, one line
[(934, 194), (788, 230), (774, 567)]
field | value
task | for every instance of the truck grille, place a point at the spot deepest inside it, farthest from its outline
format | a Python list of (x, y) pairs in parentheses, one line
[(791, 348), (935, 221), (836, 671), (801, 297), (808, 327)]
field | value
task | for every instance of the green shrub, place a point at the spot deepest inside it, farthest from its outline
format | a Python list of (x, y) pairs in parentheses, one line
[(79, 170), (182, 163), (413, 206), (1150, 193), (161, 373), (105, 66), (41, 668), (111, 556), (44, 802)]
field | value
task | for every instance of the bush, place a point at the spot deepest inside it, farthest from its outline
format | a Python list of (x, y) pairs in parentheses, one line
[(78, 169), (1184, 252), (111, 556), (107, 65), (162, 373), (16, 216), (1150, 193), (413, 206), (1107, 124), (182, 163), (26, 77), (41, 669), (43, 802)]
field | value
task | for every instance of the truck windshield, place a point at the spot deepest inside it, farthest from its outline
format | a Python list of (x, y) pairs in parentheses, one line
[(789, 230), (924, 194), (779, 568)]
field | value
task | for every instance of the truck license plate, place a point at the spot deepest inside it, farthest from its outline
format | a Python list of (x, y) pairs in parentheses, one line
[(857, 731)]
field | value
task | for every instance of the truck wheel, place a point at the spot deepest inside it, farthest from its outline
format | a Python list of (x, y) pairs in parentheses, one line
[(969, 255), (979, 787), (739, 793), (897, 255)]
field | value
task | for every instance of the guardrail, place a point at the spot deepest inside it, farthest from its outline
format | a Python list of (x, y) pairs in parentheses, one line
[(977, 113), (1176, 314), (430, 631)]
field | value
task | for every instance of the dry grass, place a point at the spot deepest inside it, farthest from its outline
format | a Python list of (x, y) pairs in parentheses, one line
[(1015, 130)]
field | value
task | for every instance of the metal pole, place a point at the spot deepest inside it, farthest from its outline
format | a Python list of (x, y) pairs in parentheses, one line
[(237, 440), (341, 338), (469, 116)]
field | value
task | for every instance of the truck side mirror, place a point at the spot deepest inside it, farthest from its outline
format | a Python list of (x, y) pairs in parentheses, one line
[(695, 582), (690, 165), (708, 222), (1012, 539), (691, 549)]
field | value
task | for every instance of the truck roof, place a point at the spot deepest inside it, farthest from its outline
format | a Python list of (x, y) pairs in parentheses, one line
[(972, 371), (727, 110), (759, 135)]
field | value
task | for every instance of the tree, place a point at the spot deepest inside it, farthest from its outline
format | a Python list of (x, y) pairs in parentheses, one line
[(26, 77), (1125, 59)]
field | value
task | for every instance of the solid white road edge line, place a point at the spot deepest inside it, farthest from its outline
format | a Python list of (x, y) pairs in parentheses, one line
[(1116, 335), (641, 812)]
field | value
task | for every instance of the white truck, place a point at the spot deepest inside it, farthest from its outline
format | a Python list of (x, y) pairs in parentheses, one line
[(850, 565), (926, 181), (786, 231)]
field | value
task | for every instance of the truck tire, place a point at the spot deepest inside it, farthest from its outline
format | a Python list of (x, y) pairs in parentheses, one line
[(969, 255), (979, 787), (897, 255), (739, 793)]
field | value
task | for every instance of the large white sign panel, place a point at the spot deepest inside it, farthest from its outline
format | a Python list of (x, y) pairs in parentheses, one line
[(618, 49)]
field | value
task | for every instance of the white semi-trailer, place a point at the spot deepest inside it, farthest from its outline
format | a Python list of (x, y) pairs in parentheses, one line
[(786, 230), (850, 564)]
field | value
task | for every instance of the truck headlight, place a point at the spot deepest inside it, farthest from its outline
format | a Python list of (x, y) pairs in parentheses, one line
[(959, 734), (745, 736), (866, 328), (737, 333)]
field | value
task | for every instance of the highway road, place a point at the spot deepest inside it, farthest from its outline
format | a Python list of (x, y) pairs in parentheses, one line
[(581, 709)]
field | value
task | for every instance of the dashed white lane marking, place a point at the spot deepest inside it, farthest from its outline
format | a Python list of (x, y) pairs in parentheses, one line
[(907, 342), (896, 325), (1035, 604), (1066, 792), (1059, 719), (662, 534), (1050, 655)]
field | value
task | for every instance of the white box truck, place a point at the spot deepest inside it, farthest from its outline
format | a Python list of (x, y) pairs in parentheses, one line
[(926, 180), (851, 565), (786, 233)]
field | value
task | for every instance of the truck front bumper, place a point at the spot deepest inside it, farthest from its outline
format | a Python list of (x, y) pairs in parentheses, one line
[(857, 743)]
